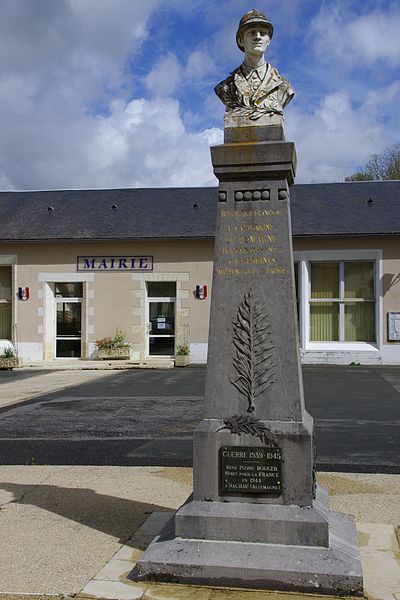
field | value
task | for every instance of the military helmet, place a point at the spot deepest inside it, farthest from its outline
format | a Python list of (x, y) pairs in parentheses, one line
[(253, 17)]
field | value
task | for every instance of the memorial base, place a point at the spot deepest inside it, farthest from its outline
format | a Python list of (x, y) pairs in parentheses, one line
[(258, 523), (335, 569)]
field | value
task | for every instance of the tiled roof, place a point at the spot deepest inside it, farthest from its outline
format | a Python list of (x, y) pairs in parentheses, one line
[(359, 208), (332, 209)]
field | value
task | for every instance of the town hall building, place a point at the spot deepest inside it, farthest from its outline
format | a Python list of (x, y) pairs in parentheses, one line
[(75, 265)]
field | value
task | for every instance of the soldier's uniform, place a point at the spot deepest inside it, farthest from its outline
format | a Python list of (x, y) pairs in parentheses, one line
[(261, 90)]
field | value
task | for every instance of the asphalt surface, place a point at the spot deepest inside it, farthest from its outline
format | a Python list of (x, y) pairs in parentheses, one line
[(146, 417)]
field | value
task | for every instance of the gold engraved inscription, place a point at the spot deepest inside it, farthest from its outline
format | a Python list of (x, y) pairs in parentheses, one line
[(251, 227), (250, 248), (267, 271), (262, 212), (253, 260), (258, 239)]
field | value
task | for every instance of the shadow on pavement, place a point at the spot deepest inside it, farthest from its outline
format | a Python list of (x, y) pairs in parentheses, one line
[(114, 516)]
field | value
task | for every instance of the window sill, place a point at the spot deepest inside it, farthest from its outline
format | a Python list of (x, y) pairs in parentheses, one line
[(341, 347)]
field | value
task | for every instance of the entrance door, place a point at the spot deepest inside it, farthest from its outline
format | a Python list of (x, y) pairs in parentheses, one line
[(68, 320), (161, 328), (161, 318)]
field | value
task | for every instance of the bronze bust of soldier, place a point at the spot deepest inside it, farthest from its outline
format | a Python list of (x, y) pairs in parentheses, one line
[(255, 93)]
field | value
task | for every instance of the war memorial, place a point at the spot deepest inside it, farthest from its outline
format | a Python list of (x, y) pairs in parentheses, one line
[(257, 518)]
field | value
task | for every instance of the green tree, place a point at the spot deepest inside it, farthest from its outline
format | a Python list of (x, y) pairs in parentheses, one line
[(378, 167)]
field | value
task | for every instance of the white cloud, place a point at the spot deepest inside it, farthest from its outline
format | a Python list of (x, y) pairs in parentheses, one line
[(164, 78), (57, 60), (384, 100), (71, 115), (199, 65), (75, 47), (357, 40), (139, 144), (337, 137), (144, 144), (347, 105)]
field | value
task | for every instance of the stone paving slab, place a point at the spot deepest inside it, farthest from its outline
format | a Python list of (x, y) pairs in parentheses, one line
[(380, 558), (63, 528), (59, 526), (379, 553)]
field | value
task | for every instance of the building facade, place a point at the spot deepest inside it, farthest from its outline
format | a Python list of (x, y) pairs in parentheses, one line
[(76, 265)]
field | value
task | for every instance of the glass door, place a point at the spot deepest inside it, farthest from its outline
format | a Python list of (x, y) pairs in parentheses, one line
[(161, 327), (5, 303), (68, 320), (160, 316)]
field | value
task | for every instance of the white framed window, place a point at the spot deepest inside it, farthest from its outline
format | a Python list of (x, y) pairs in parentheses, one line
[(339, 299), (298, 286), (342, 301)]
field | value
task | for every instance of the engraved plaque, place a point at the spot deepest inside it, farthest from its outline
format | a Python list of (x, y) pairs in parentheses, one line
[(250, 470)]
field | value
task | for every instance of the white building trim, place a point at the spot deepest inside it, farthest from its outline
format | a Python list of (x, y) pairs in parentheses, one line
[(338, 352), (46, 310)]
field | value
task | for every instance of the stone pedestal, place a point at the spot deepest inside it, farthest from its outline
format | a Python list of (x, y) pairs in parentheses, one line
[(256, 519)]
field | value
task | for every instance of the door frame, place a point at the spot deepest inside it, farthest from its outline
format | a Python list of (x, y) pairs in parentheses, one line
[(169, 299), (58, 299)]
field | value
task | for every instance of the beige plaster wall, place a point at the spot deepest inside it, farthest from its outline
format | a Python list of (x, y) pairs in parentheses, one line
[(110, 297), (114, 299)]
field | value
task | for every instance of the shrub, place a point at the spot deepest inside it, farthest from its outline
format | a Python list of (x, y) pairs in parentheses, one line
[(116, 342), (104, 343), (119, 337), (8, 353), (183, 350)]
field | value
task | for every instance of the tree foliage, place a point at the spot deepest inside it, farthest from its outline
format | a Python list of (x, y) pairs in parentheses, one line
[(378, 167)]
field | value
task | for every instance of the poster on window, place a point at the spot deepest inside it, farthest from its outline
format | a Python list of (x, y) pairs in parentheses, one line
[(394, 326)]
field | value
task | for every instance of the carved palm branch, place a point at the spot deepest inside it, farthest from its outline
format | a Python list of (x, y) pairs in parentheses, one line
[(254, 360), (239, 424)]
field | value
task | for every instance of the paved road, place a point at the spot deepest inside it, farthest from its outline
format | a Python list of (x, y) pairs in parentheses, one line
[(146, 417)]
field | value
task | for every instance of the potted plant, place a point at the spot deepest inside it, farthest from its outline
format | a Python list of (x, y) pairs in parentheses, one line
[(8, 359), (114, 348), (182, 355)]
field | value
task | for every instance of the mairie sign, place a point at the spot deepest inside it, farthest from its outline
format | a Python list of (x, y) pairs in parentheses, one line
[(114, 264)]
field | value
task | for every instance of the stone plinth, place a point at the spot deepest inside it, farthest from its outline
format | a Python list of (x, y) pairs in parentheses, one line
[(311, 569), (256, 519), (255, 523)]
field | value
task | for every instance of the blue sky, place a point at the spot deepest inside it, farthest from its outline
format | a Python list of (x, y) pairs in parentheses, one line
[(119, 93)]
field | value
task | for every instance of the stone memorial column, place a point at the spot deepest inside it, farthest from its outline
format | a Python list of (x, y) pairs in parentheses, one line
[(256, 518)]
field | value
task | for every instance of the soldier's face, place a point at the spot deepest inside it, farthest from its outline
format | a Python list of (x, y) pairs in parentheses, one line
[(255, 40)]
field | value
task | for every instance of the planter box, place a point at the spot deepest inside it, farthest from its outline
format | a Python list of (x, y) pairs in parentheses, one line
[(10, 363), (182, 360), (117, 353)]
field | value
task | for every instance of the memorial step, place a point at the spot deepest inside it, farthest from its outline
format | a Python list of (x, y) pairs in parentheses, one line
[(259, 523), (335, 570)]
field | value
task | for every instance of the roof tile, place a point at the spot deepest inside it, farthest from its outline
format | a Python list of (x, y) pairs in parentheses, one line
[(333, 209)]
